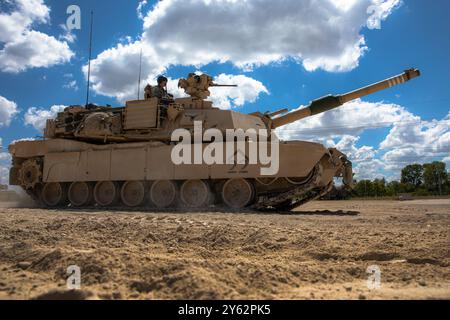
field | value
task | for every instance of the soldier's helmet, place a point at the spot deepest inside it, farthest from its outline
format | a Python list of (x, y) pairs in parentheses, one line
[(161, 79)]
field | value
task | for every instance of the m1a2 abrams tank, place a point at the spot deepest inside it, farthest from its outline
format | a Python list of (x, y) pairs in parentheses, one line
[(123, 157)]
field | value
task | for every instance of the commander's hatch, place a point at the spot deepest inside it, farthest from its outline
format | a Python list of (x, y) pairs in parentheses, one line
[(142, 115)]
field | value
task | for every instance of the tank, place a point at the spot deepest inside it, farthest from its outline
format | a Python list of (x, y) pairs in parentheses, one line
[(95, 156)]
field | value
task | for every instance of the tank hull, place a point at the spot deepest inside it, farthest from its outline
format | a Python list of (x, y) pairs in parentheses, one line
[(55, 167)]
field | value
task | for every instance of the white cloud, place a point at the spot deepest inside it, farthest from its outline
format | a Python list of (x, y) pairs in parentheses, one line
[(348, 145), (323, 35), (351, 119), (38, 117), (258, 32), (172, 88), (447, 160), (140, 9), (7, 111), (419, 142), (373, 169), (5, 160), (33, 50), (433, 135), (398, 157), (344, 5), (379, 11), (15, 23), (23, 139), (24, 48), (248, 90), (115, 71), (67, 35), (348, 60), (4, 174), (72, 84), (4, 156)]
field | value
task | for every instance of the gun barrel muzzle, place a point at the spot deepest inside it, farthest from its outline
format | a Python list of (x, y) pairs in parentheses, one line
[(379, 86)]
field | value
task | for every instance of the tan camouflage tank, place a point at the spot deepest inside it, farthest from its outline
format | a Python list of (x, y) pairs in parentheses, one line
[(123, 157)]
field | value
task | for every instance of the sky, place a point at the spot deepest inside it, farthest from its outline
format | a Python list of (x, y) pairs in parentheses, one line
[(282, 54)]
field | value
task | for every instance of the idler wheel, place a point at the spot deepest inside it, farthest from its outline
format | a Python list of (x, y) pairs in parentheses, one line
[(238, 193), (133, 193), (106, 193), (195, 194), (54, 194), (163, 194), (81, 194)]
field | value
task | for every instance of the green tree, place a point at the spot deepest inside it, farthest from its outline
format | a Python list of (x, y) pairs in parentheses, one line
[(413, 175), (379, 187), (448, 180), (364, 188), (435, 176), (393, 188)]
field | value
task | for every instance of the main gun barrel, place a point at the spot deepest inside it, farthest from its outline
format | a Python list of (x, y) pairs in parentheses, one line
[(332, 102), (224, 85)]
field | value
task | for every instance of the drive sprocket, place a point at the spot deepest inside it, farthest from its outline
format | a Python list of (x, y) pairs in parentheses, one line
[(30, 174)]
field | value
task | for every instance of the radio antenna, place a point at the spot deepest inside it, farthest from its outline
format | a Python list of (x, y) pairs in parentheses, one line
[(90, 57), (140, 74)]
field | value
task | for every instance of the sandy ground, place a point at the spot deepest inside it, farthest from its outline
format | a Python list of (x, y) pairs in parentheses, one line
[(322, 251)]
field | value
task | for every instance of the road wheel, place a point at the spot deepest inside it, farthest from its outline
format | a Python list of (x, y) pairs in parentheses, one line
[(54, 194), (106, 193), (195, 194), (163, 194), (238, 193), (133, 193), (81, 194)]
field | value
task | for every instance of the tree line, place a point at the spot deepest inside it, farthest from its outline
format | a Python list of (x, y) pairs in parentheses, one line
[(431, 179)]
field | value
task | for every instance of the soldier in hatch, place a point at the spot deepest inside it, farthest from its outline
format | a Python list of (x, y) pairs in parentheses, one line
[(160, 91)]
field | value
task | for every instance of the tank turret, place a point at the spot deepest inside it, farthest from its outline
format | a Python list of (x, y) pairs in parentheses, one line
[(155, 119)]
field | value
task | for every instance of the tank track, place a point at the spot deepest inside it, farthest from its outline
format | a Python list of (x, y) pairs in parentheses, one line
[(33, 195), (288, 200), (294, 198)]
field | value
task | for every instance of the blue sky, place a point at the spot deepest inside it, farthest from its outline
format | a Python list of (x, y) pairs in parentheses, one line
[(301, 54)]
